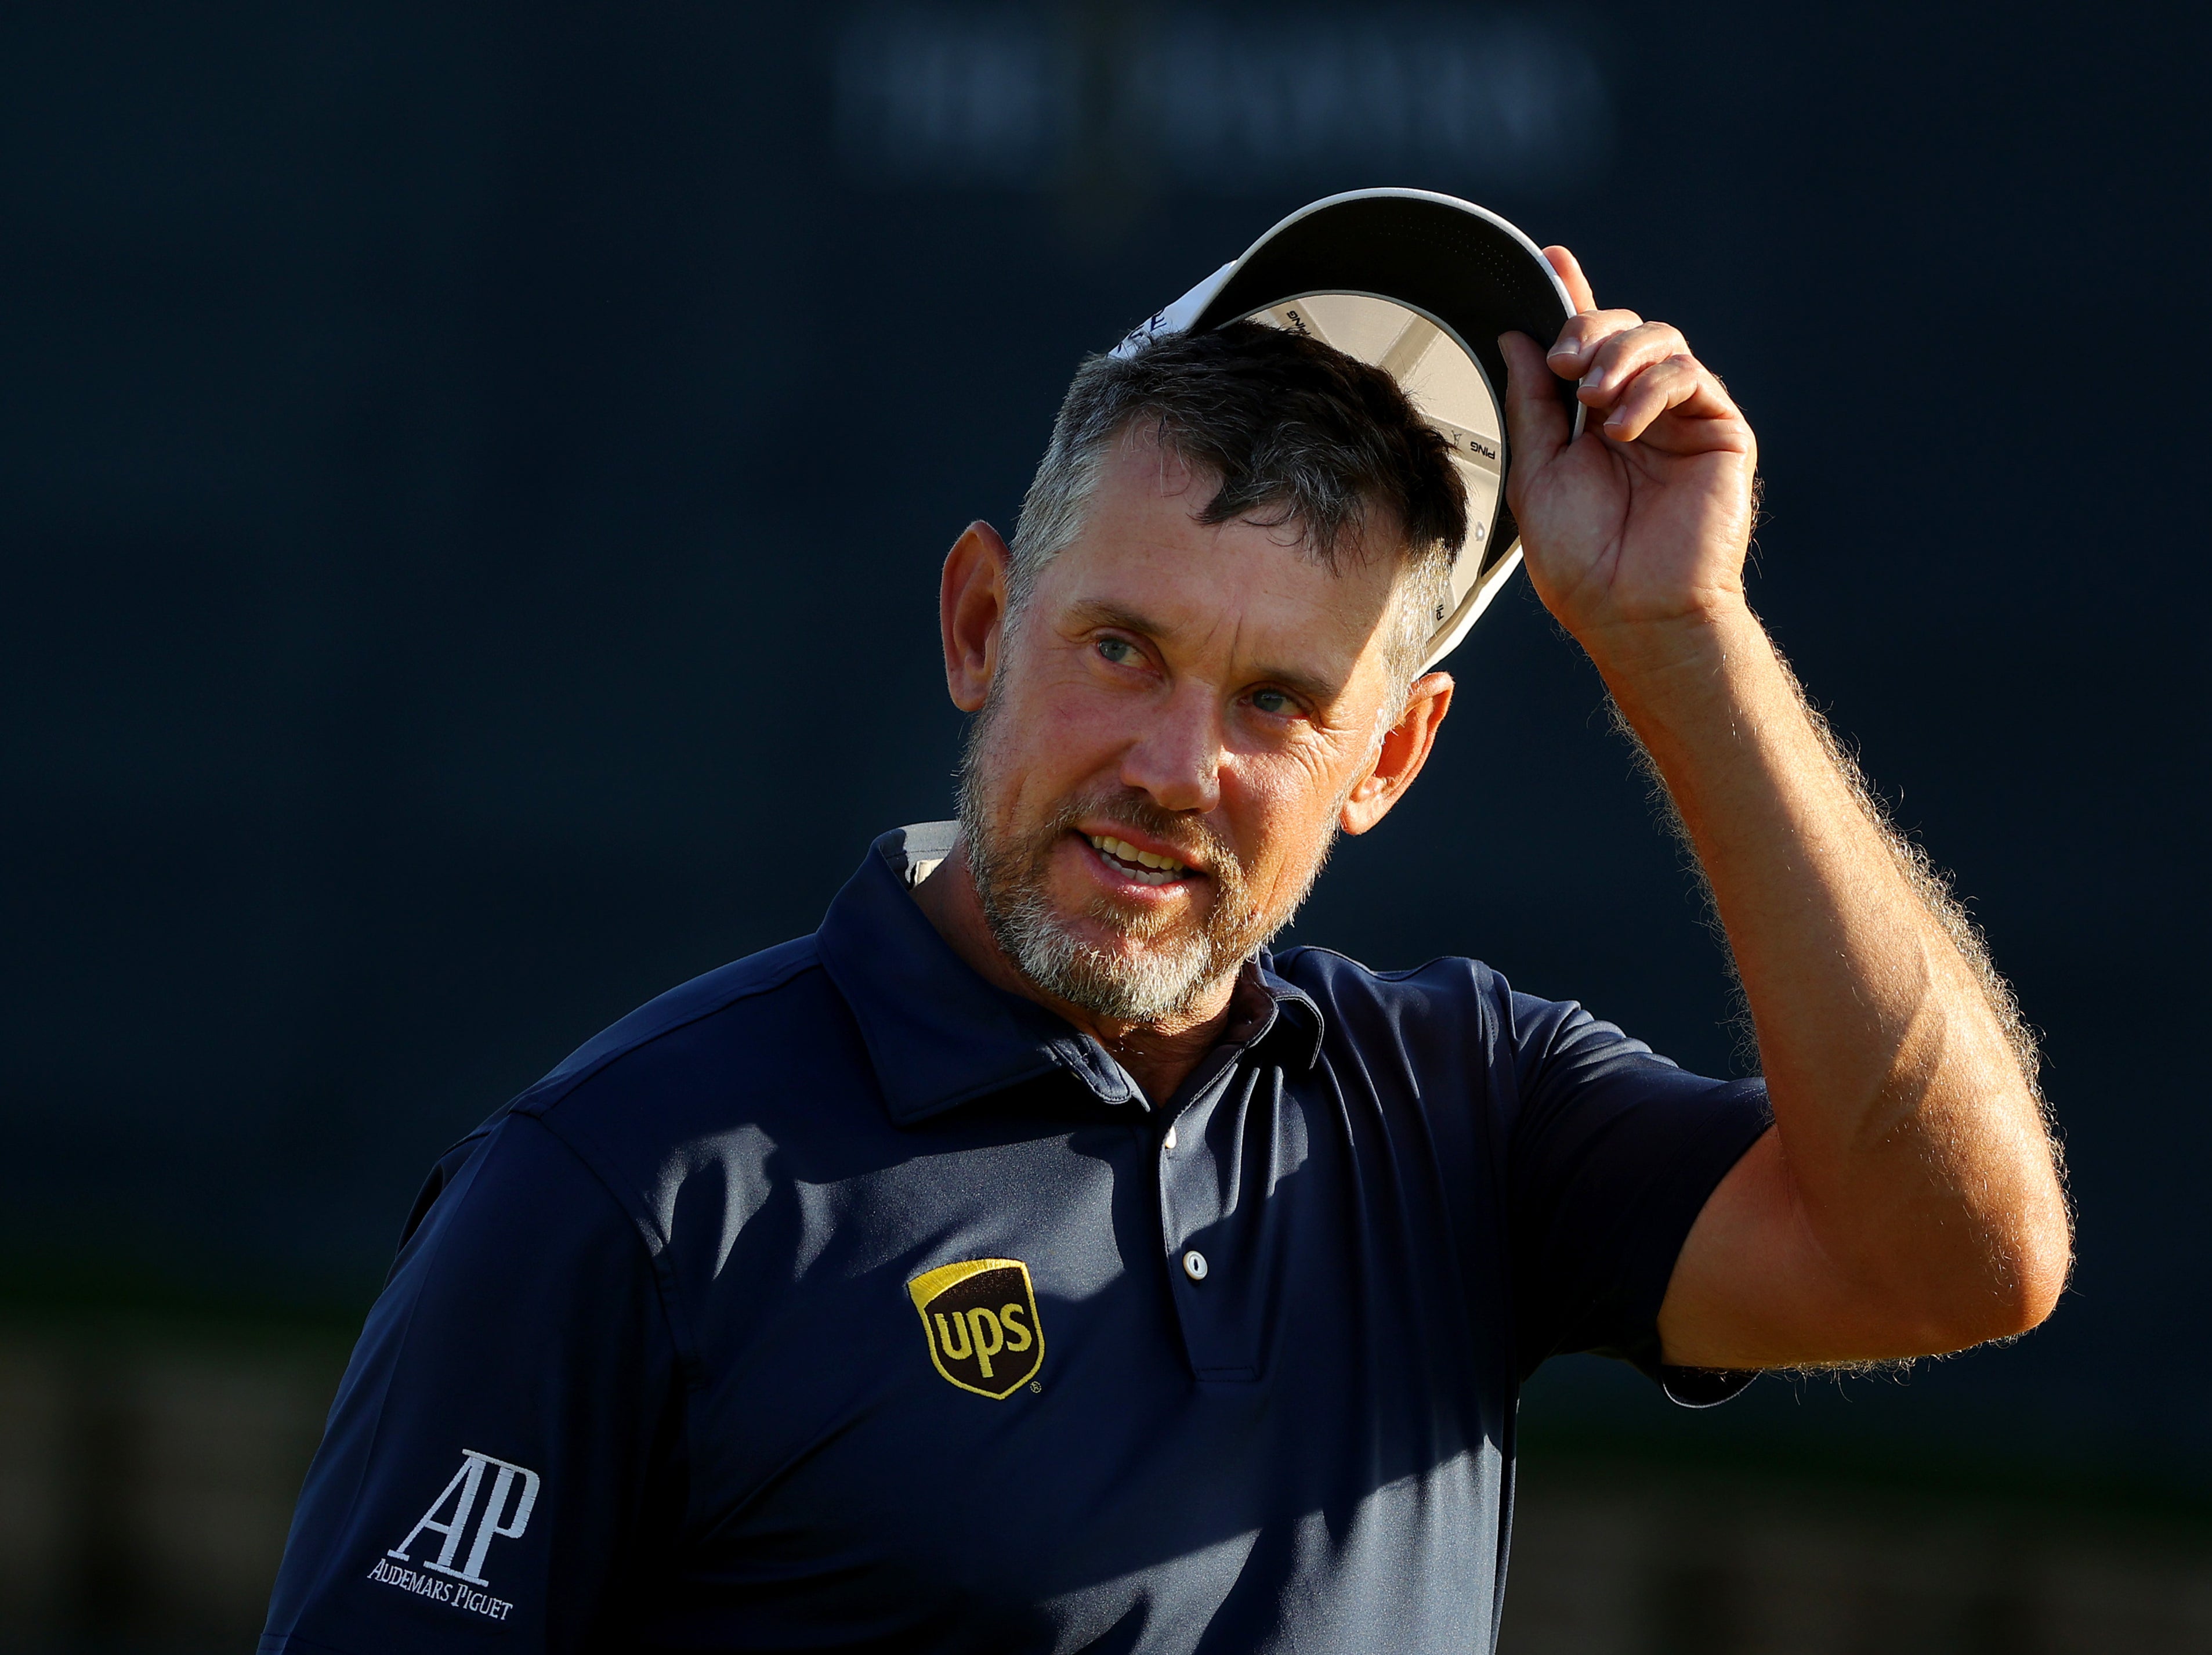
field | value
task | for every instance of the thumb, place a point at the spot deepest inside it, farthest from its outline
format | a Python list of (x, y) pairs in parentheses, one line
[(1536, 426)]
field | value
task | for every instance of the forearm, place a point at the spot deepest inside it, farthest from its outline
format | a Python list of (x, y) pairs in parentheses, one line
[(1912, 1148)]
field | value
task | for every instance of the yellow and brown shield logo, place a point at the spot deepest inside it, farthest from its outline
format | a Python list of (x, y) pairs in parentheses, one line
[(980, 1319)]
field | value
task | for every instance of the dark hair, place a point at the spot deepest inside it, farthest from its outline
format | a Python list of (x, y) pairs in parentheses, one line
[(1295, 430)]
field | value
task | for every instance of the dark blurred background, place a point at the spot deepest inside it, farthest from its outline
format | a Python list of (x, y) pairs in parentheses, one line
[(474, 485)]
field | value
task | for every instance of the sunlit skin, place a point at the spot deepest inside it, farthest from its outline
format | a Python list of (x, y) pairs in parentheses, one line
[(1221, 671), (1906, 1200)]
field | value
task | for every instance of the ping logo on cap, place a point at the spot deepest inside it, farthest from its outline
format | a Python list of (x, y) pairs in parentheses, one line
[(980, 1319)]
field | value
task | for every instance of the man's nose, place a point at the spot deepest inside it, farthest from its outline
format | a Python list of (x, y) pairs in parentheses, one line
[(1177, 760)]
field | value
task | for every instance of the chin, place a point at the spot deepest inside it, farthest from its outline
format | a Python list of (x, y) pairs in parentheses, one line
[(1129, 932)]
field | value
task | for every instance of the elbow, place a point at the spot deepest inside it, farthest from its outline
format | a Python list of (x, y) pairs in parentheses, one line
[(2035, 1258), (2015, 1291), (2009, 1242), (2035, 1277)]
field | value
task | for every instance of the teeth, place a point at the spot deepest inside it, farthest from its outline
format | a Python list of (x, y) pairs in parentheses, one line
[(1166, 867)]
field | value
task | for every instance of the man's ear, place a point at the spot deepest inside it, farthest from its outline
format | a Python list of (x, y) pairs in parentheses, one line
[(971, 614), (1405, 749)]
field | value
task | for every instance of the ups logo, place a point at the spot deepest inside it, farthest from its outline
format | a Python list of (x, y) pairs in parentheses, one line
[(980, 1319)]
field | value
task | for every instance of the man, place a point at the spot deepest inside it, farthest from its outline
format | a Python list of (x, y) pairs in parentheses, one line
[(1029, 1260)]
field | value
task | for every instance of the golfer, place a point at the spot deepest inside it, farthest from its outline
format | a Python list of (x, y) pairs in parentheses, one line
[(1029, 1260)]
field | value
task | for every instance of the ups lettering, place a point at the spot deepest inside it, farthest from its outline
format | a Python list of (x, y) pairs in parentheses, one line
[(981, 1321)]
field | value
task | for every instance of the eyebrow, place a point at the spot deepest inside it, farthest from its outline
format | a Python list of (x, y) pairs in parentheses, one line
[(1320, 691)]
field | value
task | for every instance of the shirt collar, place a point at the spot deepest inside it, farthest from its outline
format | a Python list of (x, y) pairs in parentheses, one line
[(940, 1035)]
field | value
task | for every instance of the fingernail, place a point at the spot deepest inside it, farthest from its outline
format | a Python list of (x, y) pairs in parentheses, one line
[(1595, 379), (1566, 348)]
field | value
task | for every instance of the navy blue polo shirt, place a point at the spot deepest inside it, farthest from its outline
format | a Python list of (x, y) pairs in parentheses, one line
[(840, 1300)]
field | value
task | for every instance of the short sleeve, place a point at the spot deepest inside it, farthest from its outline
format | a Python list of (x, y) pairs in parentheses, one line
[(1614, 1151), (505, 1430)]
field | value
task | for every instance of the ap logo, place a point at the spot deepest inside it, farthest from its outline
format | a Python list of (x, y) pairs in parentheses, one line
[(503, 1514)]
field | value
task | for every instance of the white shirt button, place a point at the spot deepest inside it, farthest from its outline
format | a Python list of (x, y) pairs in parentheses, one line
[(1168, 1142), (1193, 1265)]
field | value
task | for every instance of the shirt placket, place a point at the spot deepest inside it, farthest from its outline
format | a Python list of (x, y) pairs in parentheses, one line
[(1209, 1283)]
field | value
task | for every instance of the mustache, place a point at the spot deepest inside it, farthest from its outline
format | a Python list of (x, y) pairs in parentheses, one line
[(1194, 841)]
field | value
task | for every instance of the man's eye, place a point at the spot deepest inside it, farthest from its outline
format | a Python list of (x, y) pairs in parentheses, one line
[(1274, 703), (1120, 651)]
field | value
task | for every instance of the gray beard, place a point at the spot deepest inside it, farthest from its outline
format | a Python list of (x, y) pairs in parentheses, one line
[(1161, 982)]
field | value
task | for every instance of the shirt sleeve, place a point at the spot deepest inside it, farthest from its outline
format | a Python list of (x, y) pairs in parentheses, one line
[(1614, 1151), (506, 1432)]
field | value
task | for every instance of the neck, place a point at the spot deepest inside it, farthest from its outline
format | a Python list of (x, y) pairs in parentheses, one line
[(1158, 1056)]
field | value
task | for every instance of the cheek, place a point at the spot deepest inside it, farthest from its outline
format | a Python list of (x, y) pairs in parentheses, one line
[(1283, 811), (1056, 731)]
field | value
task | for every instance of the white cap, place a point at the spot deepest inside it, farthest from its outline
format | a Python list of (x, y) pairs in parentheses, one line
[(1419, 285)]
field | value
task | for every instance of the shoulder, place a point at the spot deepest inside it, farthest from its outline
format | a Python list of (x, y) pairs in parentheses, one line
[(1451, 999), (1443, 1024), (712, 1086), (508, 1180), (713, 1004), (765, 1042), (1450, 987)]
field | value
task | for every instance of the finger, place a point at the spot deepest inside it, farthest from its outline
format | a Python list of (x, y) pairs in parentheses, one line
[(1678, 383), (1583, 336), (1624, 353), (1536, 427), (1570, 269)]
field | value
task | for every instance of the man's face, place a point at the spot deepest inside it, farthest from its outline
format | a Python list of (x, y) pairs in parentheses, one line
[(1172, 728)]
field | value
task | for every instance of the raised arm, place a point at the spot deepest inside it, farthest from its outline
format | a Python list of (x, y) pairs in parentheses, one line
[(1907, 1201)]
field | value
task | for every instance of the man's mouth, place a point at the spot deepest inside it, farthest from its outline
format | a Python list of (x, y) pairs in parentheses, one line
[(1142, 866)]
